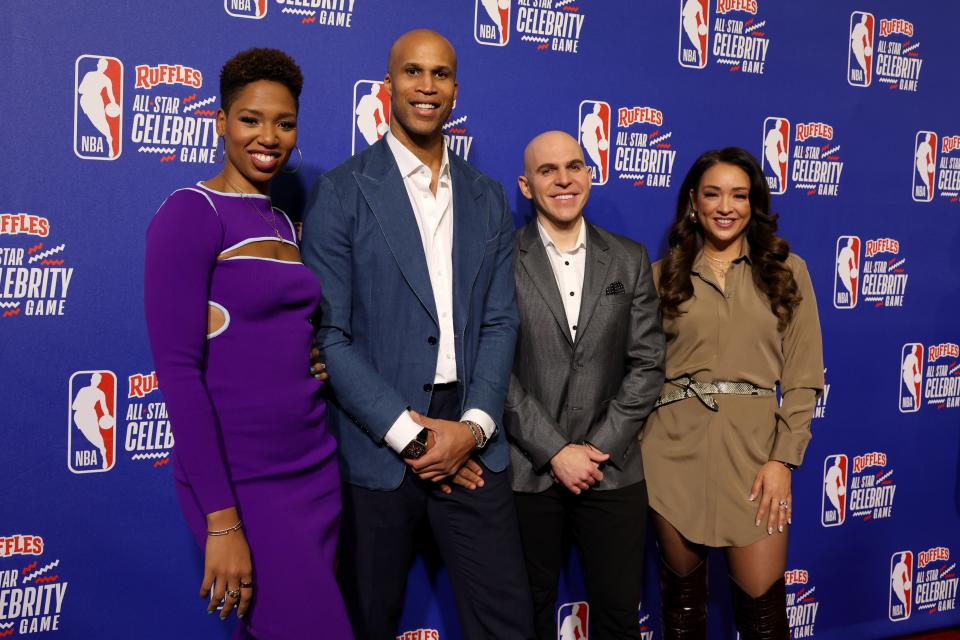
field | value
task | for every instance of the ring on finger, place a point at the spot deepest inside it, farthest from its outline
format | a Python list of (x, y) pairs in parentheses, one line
[(246, 585), (235, 594), (782, 504)]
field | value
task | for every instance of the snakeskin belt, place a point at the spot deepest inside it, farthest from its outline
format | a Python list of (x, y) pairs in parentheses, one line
[(704, 391)]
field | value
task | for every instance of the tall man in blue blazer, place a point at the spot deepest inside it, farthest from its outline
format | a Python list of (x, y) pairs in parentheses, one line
[(417, 329), (588, 369)]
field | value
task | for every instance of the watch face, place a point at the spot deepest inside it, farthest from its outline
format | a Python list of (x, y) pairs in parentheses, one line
[(414, 450)]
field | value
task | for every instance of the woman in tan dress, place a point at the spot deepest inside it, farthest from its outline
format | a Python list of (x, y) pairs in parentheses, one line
[(740, 317)]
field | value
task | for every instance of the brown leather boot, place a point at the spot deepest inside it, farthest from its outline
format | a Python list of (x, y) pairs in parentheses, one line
[(683, 603), (763, 618)]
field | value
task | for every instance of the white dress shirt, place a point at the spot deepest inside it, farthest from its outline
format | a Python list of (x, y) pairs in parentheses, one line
[(568, 268), (434, 216)]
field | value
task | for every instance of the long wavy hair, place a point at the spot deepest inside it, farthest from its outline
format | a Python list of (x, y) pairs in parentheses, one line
[(768, 251)]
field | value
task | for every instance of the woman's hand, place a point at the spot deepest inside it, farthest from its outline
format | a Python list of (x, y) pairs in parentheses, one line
[(772, 489), (317, 369), (228, 570)]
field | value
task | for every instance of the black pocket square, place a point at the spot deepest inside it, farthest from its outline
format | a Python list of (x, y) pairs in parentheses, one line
[(614, 289)]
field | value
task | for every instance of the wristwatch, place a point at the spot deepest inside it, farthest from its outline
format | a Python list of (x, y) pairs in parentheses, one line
[(416, 447)]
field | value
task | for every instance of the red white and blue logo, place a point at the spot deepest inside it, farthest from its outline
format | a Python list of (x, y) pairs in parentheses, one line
[(491, 22), (776, 153), (833, 507), (861, 52), (936, 581), (573, 621), (255, 9), (911, 377), (847, 276), (594, 136), (694, 33), (924, 166), (98, 107), (371, 113), (91, 421), (901, 586), (802, 606)]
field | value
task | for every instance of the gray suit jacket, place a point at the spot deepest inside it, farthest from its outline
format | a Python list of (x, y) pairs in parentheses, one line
[(598, 388)]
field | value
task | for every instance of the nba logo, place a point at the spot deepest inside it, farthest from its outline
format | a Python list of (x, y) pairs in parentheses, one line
[(911, 376), (924, 166), (860, 55), (847, 276), (776, 151), (98, 108), (491, 22), (901, 585), (255, 9), (594, 134), (573, 619), (371, 113), (833, 508), (91, 421), (694, 33)]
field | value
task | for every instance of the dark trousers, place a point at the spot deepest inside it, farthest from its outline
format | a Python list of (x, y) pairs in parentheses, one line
[(477, 536), (609, 529)]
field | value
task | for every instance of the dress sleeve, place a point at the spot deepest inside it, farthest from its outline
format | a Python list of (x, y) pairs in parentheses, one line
[(801, 380), (183, 241)]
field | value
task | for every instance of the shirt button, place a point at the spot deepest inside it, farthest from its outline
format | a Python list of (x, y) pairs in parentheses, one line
[(566, 262), (574, 327), (449, 356), (571, 293)]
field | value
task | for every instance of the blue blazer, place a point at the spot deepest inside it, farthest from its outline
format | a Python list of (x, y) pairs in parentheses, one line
[(378, 330)]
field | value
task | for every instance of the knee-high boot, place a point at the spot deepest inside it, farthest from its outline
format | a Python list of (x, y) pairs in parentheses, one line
[(763, 618), (683, 603)]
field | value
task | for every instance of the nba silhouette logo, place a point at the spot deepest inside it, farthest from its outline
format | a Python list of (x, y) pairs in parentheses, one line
[(491, 22), (594, 132), (98, 107), (901, 586), (847, 276), (371, 113), (924, 166), (776, 153), (91, 421), (573, 621), (911, 376), (833, 507), (694, 33), (860, 53), (255, 9)]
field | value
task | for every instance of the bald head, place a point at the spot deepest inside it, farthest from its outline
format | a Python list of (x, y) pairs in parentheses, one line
[(556, 179), (550, 147), (406, 46)]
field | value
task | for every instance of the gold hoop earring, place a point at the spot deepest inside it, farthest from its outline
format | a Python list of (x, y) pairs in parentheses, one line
[(299, 164)]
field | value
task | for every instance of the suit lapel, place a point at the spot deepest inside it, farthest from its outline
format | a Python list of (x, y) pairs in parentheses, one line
[(594, 277), (383, 189), (537, 265), (469, 223)]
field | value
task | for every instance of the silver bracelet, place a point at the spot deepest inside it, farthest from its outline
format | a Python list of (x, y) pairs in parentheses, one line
[(479, 437), (223, 532)]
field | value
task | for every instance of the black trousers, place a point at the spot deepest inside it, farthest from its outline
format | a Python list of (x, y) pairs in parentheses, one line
[(477, 536), (609, 529)]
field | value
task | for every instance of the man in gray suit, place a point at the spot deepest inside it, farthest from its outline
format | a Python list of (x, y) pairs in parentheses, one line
[(587, 369)]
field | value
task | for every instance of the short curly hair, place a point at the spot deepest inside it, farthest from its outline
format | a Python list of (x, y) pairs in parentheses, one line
[(259, 64)]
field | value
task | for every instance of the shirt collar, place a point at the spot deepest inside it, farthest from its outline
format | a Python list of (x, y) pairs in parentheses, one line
[(581, 237), (700, 262), (408, 163)]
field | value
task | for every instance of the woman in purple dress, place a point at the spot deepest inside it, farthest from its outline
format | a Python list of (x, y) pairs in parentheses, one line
[(228, 307)]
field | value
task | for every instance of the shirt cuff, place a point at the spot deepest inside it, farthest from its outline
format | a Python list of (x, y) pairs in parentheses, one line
[(481, 418), (401, 432)]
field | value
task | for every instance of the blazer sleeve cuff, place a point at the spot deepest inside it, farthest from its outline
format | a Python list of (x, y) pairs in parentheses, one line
[(401, 432)]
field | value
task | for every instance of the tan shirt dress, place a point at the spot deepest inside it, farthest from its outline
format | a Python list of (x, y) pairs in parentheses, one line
[(701, 464)]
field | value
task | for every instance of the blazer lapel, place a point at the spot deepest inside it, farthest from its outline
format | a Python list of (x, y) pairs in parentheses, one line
[(383, 189), (594, 277), (534, 260), (469, 223)]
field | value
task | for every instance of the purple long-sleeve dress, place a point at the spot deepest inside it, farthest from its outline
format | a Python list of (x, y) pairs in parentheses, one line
[(246, 414)]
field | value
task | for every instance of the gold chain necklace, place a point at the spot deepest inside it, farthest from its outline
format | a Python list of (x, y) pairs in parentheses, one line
[(722, 266), (272, 221)]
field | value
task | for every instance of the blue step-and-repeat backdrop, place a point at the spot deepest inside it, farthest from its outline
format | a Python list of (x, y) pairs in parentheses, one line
[(851, 105)]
